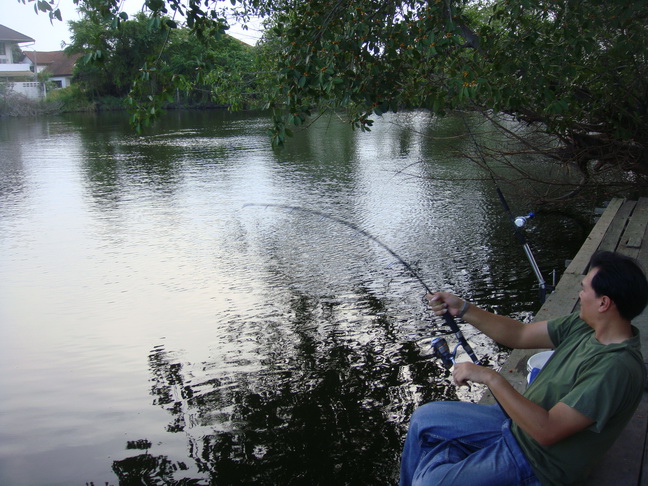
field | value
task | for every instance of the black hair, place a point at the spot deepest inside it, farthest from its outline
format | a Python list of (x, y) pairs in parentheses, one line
[(622, 280)]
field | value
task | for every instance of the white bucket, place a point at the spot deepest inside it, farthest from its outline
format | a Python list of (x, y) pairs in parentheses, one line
[(535, 363)]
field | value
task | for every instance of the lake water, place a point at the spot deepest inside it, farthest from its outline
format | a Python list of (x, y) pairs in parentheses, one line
[(164, 319)]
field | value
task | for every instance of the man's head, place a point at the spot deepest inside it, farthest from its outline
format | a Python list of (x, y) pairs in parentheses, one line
[(622, 280)]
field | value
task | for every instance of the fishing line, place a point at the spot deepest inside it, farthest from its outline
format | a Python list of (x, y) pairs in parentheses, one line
[(449, 319)]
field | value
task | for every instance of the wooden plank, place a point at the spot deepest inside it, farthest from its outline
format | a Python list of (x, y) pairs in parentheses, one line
[(642, 255), (622, 463), (634, 233), (641, 323), (563, 300), (643, 476), (612, 236), (631, 240), (593, 241)]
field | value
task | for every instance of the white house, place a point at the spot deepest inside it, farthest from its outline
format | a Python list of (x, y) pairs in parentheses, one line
[(12, 69), (19, 67), (57, 63), (9, 47)]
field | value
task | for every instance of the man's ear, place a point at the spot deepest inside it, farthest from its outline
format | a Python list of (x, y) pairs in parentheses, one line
[(605, 304)]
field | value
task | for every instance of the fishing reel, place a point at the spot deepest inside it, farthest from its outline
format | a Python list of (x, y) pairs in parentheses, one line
[(442, 351), (521, 221)]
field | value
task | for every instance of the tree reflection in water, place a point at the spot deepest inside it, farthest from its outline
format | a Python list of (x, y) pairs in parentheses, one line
[(337, 415), (146, 469)]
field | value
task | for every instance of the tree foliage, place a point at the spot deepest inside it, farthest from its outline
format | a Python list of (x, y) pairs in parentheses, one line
[(579, 69), (152, 61), (50, 7), (575, 68), (112, 57)]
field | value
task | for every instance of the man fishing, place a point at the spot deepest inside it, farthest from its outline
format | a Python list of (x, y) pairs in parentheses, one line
[(566, 419)]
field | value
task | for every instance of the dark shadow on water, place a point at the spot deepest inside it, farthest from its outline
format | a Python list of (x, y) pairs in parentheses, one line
[(337, 415)]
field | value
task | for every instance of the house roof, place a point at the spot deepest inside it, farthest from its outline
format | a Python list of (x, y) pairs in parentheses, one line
[(58, 63), (7, 34)]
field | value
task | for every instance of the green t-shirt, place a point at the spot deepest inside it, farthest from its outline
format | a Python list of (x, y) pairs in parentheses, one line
[(603, 382)]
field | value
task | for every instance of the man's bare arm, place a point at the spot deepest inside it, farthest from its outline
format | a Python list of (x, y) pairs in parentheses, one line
[(502, 329), (545, 426)]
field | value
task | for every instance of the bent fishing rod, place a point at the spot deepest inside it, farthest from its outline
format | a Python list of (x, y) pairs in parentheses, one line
[(447, 317)]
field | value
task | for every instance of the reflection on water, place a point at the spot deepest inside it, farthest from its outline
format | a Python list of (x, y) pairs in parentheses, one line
[(329, 417), (155, 328)]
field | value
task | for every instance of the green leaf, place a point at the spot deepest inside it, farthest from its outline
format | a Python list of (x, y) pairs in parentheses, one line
[(43, 6)]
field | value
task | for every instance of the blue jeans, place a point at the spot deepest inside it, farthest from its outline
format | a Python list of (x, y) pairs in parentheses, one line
[(452, 443)]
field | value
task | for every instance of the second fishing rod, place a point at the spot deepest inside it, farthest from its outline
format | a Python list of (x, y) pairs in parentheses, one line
[(518, 222)]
